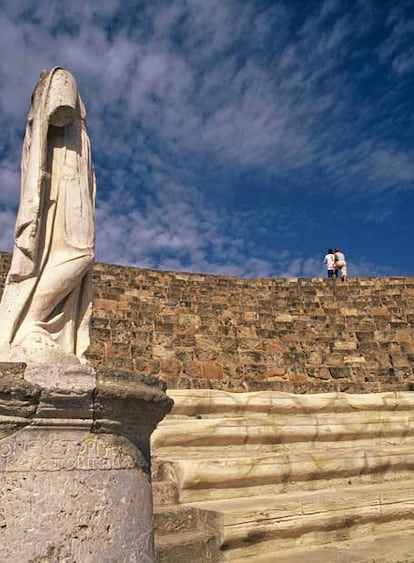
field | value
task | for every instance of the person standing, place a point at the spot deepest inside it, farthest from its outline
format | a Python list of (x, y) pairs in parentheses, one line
[(340, 264), (329, 262)]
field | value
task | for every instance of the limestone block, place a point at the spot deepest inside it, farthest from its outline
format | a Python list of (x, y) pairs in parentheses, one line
[(380, 312), (284, 318), (400, 361), (345, 345), (170, 367), (74, 464), (83, 498), (204, 401), (348, 312), (354, 359), (212, 370), (314, 358)]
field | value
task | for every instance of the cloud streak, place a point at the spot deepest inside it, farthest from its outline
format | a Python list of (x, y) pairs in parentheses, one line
[(210, 121)]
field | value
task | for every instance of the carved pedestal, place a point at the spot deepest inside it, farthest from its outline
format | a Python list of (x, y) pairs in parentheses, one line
[(74, 464)]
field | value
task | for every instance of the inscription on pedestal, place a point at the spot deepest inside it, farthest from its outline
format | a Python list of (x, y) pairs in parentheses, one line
[(28, 453), (75, 481)]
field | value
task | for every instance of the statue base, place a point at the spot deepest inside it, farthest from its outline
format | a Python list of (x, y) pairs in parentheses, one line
[(74, 463), (38, 353)]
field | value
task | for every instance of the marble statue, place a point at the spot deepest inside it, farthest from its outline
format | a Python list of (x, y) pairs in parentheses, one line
[(45, 309)]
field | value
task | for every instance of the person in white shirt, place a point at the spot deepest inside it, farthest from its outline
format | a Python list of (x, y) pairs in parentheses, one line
[(329, 262), (340, 264)]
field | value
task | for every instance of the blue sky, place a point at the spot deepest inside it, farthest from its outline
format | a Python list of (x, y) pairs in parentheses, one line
[(240, 137)]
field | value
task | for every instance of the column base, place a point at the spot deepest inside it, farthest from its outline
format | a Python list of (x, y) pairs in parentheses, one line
[(74, 464)]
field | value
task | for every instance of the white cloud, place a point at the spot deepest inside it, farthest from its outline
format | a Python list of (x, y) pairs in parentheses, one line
[(243, 111), (10, 183), (187, 87), (397, 48), (7, 220)]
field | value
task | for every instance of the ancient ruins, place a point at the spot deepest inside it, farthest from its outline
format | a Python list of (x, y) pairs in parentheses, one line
[(291, 434), (290, 438), (74, 440)]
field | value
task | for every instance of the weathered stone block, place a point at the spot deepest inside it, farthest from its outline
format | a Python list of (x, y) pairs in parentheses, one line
[(400, 361), (319, 373), (212, 370), (74, 464), (170, 367), (314, 358), (354, 359), (340, 373), (345, 345)]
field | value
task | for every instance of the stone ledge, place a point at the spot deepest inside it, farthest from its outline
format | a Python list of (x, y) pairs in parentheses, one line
[(101, 401), (74, 452)]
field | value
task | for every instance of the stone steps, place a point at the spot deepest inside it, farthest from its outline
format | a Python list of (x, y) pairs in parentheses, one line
[(185, 533), (284, 429), (194, 547), (253, 449), (200, 478), (274, 489), (176, 519), (165, 492), (295, 335), (387, 548), (288, 521), (285, 472), (196, 403)]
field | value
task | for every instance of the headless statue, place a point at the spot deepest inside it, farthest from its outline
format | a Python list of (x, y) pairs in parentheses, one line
[(45, 309)]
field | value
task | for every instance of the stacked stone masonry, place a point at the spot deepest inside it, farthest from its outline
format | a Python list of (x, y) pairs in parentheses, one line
[(222, 332)]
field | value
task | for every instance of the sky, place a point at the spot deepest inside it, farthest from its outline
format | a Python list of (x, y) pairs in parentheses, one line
[(239, 137)]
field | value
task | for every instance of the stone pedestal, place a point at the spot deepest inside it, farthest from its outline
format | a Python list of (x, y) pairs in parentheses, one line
[(74, 464)]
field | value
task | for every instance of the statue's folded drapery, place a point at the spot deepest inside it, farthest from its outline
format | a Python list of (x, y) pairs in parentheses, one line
[(47, 297)]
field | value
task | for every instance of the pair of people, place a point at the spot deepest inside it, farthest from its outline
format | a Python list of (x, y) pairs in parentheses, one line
[(336, 264)]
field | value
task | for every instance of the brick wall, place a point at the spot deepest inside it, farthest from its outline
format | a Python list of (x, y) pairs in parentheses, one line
[(306, 335)]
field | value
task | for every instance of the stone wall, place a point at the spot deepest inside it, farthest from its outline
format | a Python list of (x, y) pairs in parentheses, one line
[(300, 335)]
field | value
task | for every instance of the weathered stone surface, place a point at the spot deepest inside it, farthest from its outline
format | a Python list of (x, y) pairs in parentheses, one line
[(187, 534), (204, 331), (74, 464), (283, 471)]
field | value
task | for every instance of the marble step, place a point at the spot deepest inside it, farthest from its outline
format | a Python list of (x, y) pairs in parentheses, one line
[(185, 518), (257, 526), (187, 547), (390, 548), (176, 519), (280, 429), (171, 453), (198, 477), (212, 402)]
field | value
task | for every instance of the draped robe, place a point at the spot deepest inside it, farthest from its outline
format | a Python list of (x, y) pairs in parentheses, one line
[(47, 296)]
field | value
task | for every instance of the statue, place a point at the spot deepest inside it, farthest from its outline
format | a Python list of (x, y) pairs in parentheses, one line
[(45, 309)]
